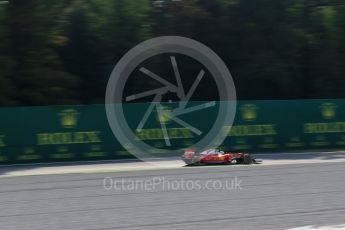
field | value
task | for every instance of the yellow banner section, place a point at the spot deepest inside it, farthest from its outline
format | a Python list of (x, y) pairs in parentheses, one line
[(330, 127), (66, 138), (157, 134), (253, 130)]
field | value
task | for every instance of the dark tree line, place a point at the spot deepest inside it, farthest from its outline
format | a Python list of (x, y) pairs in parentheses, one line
[(62, 52)]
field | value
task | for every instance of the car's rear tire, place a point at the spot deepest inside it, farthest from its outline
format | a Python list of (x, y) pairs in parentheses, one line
[(247, 159)]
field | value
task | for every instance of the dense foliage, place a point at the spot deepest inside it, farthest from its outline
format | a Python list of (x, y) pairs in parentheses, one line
[(62, 52)]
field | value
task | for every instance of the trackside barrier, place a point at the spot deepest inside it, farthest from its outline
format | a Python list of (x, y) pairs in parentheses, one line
[(82, 133)]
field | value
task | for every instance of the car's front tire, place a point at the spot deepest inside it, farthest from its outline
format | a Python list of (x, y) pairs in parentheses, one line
[(247, 159)]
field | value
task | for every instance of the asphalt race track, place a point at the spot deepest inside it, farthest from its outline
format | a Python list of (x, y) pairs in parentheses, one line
[(260, 197)]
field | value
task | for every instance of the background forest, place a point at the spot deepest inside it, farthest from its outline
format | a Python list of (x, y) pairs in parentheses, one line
[(62, 52)]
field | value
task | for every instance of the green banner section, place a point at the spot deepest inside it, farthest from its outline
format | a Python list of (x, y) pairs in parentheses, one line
[(55, 134), (75, 133), (270, 126)]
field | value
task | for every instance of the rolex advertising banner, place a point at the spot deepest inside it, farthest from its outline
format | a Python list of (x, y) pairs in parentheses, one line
[(83, 133), (273, 126), (56, 134)]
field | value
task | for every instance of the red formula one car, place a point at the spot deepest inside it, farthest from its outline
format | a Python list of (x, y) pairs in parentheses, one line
[(215, 156)]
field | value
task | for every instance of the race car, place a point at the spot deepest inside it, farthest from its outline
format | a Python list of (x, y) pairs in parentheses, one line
[(216, 156)]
